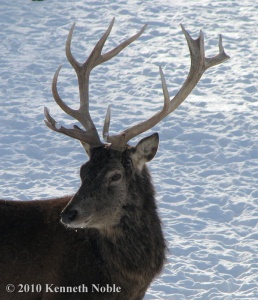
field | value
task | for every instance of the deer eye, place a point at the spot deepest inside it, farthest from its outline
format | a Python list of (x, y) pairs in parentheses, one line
[(128, 162), (116, 177)]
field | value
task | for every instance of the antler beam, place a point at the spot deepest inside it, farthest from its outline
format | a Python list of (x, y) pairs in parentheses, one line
[(82, 114), (199, 64)]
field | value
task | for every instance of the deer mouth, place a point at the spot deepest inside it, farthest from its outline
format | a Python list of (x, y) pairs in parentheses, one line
[(81, 222)]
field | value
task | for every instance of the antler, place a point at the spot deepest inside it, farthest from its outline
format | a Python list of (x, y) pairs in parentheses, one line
[(90, 136), (199, 64)]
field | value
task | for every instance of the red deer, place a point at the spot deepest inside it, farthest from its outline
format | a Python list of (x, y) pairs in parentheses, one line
[(106, 240)]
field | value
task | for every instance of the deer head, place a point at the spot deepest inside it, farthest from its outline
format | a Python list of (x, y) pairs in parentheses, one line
[(116, 172), (112, 185)]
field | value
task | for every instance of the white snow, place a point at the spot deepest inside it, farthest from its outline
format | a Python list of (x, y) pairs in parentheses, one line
[(57, 126), (206, 169)]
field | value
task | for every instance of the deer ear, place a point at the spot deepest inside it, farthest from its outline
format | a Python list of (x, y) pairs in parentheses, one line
[(145, 150), (86, 147)]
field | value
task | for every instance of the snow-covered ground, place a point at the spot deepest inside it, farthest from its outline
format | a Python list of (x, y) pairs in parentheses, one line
[(206, 169)]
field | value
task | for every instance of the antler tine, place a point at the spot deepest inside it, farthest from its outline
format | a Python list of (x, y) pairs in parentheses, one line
[(76, 132), (199, 63), (217, 59), (106, 124), (68, 52), (124, 44), (165, 91), (59, 101)]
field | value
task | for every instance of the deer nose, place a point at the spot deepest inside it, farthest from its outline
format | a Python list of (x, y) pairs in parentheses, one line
[(68, 216)]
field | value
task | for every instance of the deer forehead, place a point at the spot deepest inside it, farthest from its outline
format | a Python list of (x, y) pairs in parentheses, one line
[(103, 163)]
